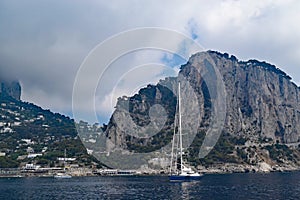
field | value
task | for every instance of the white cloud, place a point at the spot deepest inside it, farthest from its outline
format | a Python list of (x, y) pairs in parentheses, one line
[(43, 44), (127, 75)]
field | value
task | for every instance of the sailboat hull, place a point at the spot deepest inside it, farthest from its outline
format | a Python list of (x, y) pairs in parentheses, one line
[(62, 176), (184, 178)]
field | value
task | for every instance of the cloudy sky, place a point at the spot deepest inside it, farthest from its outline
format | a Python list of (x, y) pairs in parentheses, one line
[(44, 43)]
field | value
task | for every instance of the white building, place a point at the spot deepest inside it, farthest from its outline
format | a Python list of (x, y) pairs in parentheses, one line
[(66, 159), (31, 167), (33, 155)]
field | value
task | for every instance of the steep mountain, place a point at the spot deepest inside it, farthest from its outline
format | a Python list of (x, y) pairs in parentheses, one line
[(262, 122), (261, 99), (26, 129)]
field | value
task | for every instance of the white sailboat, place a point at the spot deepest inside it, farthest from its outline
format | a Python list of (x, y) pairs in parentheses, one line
[(184, 173), (64, 174)]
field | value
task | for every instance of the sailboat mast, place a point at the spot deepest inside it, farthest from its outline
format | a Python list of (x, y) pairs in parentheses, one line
[(173, 143), (180, 133), (172, 153)]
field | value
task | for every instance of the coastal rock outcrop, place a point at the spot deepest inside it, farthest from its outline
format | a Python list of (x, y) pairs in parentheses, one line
[(10, 88)]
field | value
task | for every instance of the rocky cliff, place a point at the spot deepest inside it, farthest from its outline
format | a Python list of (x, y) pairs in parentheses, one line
[(10, 88), (262, 112), (262, 101)]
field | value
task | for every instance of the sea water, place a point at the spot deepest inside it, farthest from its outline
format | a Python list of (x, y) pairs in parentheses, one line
[(226, 186)]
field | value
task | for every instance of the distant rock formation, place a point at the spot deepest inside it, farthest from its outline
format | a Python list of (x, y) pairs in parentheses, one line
[(12, 89)]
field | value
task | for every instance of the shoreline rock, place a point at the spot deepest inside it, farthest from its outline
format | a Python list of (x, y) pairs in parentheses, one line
[(239, 168)]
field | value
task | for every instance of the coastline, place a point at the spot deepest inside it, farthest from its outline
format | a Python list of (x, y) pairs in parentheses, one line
[(227, 168), (263, 167)]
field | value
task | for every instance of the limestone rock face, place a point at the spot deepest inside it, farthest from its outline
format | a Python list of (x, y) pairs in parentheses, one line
[(12, 89), (261, 101)]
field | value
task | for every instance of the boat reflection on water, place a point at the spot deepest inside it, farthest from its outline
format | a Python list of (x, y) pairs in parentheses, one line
[(184, 190)]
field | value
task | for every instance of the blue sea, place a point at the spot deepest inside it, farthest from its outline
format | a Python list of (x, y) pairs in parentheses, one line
[(227, 186)]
